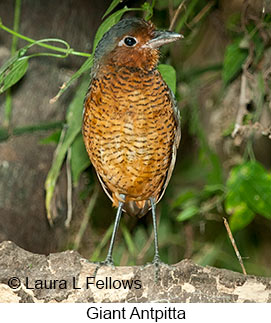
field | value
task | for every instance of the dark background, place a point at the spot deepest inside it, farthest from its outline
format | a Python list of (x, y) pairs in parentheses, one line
[(24, 161)]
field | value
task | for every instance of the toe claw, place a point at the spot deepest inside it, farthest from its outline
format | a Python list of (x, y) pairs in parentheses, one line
[(157, 262), (107, 262)]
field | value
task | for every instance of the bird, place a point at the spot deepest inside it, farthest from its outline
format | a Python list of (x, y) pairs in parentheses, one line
[(131, 123)]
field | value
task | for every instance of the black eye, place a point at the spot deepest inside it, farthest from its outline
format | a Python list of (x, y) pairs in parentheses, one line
[(130, 41)]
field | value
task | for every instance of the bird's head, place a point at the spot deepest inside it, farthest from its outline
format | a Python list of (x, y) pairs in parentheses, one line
[(132, 42)]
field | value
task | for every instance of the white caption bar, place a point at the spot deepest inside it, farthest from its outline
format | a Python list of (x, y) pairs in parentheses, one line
[(145, 312)]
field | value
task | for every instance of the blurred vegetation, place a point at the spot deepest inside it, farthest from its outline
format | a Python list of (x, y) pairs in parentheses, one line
[(224, 99)]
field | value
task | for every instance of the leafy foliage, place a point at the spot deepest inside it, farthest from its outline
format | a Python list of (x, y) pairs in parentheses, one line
[(249, 189), (70, 132), (235, 57), (169, 75), (79, 159), (13, 73)]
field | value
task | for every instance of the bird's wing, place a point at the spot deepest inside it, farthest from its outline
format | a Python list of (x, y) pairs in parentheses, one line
[(177, 120), (175, 146), (105, 188)]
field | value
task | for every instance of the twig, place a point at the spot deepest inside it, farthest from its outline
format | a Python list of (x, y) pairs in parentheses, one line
[(86, 217), (248, 129), (198, 17), (243, 16), (249, 59), (170, 9), (176, 15), (55, 98), (69, 189), (266, 73), (234, 246), (242, 111)]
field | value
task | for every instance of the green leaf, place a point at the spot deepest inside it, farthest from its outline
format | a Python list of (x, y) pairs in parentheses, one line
[(233, 60), (74, 120), (188, 213), (112, 6), (241, 217), (19, 54), (249, 184), (14, 68), (52, 138), (169, 75), (212, 189), (13, 74), (148, 8), (79, 158), (184, 198)]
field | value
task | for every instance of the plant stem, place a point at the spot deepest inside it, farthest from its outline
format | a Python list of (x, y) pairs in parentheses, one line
[(8, 105), (39, 127), (17, 14), (32, 41), (187, 13), (6, 133), (8, 109)]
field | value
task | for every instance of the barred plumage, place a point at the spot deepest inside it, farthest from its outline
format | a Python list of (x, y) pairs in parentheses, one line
[(131, 125)]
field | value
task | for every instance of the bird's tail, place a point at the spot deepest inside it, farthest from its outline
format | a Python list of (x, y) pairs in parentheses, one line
[(137, 208)]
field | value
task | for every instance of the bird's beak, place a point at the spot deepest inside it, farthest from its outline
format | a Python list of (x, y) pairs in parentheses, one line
[(161, 38)]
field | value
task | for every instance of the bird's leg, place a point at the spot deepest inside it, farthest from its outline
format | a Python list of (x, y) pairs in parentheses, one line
[(109, 260), (156, 251), (156, 260)]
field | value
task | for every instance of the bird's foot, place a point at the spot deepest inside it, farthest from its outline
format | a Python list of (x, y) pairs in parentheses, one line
[(107, 262), (157, 263)]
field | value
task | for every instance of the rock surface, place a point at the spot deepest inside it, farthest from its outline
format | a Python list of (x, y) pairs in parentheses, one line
[(66, 277)]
